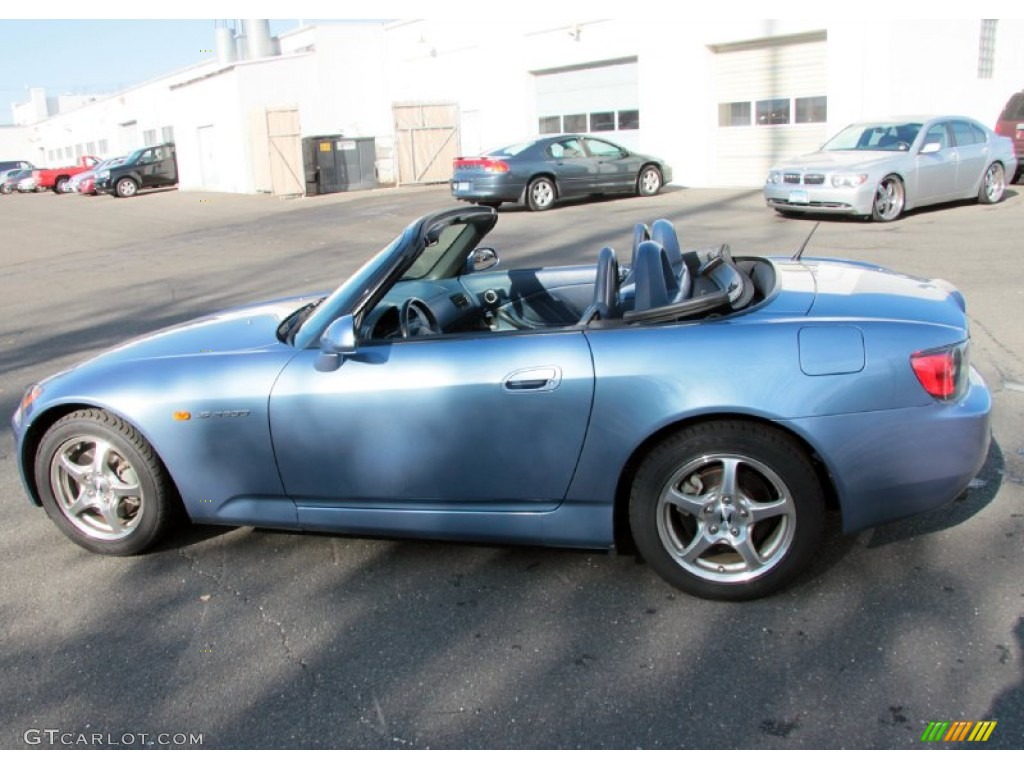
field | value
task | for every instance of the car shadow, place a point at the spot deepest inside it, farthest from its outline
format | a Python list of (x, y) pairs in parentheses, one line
[(592, 199)]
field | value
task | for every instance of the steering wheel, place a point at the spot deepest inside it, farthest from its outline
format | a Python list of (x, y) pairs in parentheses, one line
[(416, 319)]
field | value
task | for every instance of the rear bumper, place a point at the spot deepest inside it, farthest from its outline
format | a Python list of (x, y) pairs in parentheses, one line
[(887, 465), (486, 188)]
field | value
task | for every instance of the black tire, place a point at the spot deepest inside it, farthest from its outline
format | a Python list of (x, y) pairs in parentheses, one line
[(723, 546), (649, 182), (126, 187), (1018, 173), (890, 199), (59, 187), (993, 185), (103, 484), (541, 194)]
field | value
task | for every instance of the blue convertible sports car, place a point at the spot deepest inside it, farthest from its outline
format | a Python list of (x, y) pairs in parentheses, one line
[(714, 412)]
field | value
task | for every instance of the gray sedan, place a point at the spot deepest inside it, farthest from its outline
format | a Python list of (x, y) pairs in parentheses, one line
[(541, 171), (879, 170)]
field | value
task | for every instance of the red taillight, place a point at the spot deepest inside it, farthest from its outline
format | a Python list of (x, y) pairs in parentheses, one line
[(485, 164), (942, 372)]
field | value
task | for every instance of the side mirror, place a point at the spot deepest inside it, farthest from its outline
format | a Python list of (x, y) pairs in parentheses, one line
[(931, 148), (336, 343), (480, 260), (623, 153)]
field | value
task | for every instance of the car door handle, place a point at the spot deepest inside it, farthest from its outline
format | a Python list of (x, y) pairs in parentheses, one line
[(543, 379)]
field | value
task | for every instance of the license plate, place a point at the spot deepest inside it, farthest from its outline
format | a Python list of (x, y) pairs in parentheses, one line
[(798, 196), (463, 186)]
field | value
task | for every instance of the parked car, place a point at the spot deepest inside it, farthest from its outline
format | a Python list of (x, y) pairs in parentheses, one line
[(541, 171), (9, 183), (14, 165), (58, 179), (717, 409), (6, 174), (1011, 125), (29, 183), (879, 170), (85, 183), (143, 169)]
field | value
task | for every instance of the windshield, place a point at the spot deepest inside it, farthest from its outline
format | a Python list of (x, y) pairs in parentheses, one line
[(345, 297), (874, 137)]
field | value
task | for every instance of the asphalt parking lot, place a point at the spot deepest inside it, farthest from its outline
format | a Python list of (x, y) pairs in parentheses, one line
[(250, 638)]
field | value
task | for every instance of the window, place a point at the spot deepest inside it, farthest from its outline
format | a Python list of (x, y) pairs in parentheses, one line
[(811, 109), (979, 134), (734, 113), (149, 137), (103, 147), (987, 48), (551, 124), (167, 133), (575, 123), (90, 147), (629, 119), (602, 148), (602, 121), (773, 112), (78, 151), (566, 148), (962, 134), (937, 133)]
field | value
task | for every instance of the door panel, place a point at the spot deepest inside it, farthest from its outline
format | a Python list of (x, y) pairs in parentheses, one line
[(973, 159), (446, 420), (936, 171)]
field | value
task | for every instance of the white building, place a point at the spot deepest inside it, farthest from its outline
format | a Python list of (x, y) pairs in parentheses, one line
[(719, 101)]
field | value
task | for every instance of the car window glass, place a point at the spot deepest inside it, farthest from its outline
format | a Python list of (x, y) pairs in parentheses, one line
[(978, 133), (937, 133), (602, 148), (434, 253), (1014, 108), (895, 137), (962, 134), (566, 149)]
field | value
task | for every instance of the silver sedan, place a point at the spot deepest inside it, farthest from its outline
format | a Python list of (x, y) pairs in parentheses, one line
[(879, 170)]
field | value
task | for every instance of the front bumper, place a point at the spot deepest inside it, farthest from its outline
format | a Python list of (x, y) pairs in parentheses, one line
[(821, 198), (887, 465)]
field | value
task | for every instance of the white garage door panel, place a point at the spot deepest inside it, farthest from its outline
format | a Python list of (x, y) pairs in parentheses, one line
[(751, 74)]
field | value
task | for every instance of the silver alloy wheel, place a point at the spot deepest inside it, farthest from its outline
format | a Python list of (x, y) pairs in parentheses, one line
[(994, 184), (542, 194), (126, 188), (888, 199), (726, 518), (650, 181), (96, 488)]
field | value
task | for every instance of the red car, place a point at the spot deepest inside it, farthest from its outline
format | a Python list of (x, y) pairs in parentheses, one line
[(1011, 124), (85, 183)]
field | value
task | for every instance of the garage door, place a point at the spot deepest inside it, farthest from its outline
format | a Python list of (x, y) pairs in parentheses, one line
[(598, 97), (772, 104)]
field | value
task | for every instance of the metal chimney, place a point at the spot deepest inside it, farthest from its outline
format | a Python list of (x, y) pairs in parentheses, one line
[(259, 42)]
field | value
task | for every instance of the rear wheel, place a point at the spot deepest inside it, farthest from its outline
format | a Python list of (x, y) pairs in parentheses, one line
[(727, 510), (993, 185), (61, 185), (102, 483), (541, 195)]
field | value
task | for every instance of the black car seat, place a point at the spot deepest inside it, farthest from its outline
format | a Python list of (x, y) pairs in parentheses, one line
[(605, 305)]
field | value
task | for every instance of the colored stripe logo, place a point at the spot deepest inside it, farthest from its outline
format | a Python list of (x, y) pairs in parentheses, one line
[(958, 730)]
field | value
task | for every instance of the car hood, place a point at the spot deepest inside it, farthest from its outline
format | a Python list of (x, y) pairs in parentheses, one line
[(240, 330), (855, 160)]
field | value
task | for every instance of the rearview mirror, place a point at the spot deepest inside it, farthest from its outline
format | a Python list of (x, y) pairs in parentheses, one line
[(336, 343), (931, 147), (480, 260)]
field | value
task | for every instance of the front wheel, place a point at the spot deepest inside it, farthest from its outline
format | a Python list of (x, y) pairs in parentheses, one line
[(62, 185), (889, 199), (727, 510), (649, 181), (126, 187), (541, 195), (993, 185), (102, 484)]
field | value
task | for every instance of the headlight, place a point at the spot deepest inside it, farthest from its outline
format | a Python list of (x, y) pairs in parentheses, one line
[(774, 177), (848, 179)]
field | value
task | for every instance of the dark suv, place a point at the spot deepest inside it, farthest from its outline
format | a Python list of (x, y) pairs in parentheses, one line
[(143, 168), (1011, 124)]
